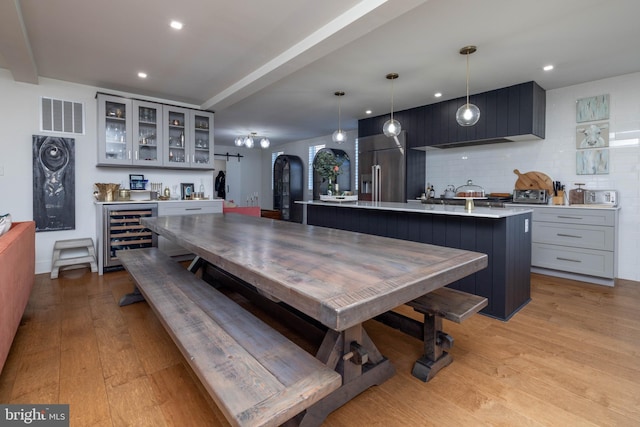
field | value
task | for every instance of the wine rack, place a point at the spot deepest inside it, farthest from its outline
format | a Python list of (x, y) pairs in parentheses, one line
[(124, 231)]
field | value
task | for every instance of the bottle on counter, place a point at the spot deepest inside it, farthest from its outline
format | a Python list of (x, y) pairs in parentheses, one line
[(432, 193)]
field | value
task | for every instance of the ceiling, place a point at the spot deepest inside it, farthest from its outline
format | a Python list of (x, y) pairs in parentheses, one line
[(272, 67)]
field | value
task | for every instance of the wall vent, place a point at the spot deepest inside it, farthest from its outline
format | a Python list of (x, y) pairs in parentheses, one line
[(57, 115)]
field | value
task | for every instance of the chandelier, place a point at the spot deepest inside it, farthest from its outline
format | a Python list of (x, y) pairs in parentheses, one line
[(248, 141)]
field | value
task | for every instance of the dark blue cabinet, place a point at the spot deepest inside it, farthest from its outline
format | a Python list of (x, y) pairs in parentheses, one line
[(506, 280), (507, 114)]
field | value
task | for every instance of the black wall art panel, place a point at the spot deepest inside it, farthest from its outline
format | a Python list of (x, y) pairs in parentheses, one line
[(54, 197)]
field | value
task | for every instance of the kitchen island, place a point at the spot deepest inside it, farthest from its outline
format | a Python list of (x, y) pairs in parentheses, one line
[(504, 234)]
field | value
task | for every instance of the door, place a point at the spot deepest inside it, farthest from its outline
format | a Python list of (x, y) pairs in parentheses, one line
[(388, 157), (391, 175), (365, 163)]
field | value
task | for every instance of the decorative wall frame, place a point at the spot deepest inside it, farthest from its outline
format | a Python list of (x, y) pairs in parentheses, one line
[(592, 162), (594, 135), (54, 183), (186, 191), (592, 108)]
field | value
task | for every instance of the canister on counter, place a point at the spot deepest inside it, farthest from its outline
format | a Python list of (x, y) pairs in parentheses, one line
[(576, 195)]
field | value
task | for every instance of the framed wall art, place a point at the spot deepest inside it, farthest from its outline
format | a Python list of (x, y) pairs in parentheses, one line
[(592, 108), (186, 191), (54, 182), (595, 135), (592, 162)]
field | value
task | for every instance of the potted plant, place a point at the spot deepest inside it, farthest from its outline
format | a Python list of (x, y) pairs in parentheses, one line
[(328, 167)]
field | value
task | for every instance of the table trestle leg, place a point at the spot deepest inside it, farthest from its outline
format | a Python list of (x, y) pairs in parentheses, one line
[(435, 343)]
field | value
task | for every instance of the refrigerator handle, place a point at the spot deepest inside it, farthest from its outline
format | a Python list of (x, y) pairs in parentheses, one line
[(375, 173)]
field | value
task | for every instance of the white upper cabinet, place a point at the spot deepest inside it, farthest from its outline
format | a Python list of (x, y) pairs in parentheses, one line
[(148, 133), (142, 133), (114, 130)]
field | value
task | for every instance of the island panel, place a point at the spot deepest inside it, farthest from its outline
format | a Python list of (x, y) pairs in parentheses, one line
[(505, 239)]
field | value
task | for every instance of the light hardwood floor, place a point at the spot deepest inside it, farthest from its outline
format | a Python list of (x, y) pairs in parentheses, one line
[(571, 357)]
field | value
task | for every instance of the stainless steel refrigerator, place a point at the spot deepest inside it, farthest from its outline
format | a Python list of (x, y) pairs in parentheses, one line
[(382, 168)]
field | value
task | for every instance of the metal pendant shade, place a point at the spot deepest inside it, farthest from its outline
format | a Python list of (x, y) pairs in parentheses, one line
[(339, 136), (392, 127), (468, 114)]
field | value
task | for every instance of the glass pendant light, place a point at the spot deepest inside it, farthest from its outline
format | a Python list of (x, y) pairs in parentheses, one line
[(264, 142), (239, 141), (248, 141), (468, 114), (339, 136), (392, 127)]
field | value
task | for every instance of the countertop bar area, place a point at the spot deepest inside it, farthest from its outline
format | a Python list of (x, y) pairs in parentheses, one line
[(504, 234)]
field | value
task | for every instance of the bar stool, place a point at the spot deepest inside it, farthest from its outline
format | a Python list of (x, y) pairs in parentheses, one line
[(64, 245)]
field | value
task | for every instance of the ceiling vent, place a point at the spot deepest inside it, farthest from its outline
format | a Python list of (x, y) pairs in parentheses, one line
[(57, 115)]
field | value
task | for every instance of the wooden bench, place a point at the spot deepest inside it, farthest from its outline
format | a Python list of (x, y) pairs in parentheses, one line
[(446, 303), (256, 376)]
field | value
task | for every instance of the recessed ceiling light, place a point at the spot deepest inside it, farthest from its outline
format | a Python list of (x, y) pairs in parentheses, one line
[(548, 67), (142, 75), (368, 112), (176, 25), (437, 94)]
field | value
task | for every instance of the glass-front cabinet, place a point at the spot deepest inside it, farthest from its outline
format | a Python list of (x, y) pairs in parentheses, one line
[(142, 133), (202, 147), (178, 126), (148, 133), (114, 130)]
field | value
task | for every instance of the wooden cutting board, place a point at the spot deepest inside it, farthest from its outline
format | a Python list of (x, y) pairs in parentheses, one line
[(533, 180)]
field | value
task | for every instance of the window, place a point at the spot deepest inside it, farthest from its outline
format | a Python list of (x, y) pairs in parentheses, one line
[(274, 156), (312, 154)]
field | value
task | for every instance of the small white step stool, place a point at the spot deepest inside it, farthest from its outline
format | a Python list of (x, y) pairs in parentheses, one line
[(62, 245)]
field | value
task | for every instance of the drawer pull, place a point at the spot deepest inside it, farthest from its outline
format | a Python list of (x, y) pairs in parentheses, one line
[(569, 217), (567, 259), (568, 235), (193, 209)]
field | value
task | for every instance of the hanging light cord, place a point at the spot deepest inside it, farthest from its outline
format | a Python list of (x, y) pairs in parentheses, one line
[(339, 126), (392, 80), (467, 79)]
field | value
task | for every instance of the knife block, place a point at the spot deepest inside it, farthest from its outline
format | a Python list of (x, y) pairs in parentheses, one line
[(559, 199)]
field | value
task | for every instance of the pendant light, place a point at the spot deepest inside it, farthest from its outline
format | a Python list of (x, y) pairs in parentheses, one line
[(239, 141), (264, 142), (248, 141), (468, 114), (392, 127), (339, 136)]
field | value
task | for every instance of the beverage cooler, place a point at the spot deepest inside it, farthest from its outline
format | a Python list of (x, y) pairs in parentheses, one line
[(123, 230)]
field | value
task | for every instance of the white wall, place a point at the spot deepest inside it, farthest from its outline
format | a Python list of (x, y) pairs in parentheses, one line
[(491, 166), (19, 121)]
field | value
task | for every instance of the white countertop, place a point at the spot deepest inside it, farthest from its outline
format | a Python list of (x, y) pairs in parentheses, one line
[(480, 212), (128, 202)]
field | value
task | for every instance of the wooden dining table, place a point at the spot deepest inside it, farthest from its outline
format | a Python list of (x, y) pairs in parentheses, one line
[(339, 278)]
